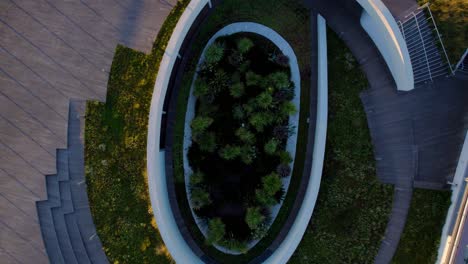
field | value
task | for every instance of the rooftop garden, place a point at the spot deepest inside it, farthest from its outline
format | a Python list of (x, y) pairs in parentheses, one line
[(239, 135)]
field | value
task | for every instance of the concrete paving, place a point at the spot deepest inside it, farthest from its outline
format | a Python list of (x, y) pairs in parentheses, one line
[(52, 51)]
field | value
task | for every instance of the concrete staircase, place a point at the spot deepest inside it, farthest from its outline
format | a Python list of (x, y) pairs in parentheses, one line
[(65, 218)]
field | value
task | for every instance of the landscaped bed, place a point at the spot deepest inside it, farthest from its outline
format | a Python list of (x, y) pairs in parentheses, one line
[(239, 167)]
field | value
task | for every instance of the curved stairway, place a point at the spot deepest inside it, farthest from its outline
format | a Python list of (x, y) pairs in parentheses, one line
[(65, 217)]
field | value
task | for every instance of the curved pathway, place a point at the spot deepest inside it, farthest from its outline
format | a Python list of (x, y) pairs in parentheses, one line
[(52, 51)]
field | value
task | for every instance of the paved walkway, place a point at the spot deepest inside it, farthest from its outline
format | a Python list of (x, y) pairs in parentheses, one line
[(52, 51)]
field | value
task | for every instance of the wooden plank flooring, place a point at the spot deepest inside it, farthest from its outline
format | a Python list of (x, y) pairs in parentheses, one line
[(52, 51)]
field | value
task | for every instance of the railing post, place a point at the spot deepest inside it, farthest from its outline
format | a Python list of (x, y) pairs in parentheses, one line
[(424, 45), (438, 35)]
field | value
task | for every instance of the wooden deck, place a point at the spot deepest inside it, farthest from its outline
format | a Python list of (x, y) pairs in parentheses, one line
[(52, 51)]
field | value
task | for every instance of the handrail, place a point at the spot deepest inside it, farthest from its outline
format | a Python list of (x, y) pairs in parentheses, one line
[(424, 45)]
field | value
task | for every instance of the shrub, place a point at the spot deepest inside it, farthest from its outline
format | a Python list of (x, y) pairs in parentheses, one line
[(235, 245), (237, 90), (219, 81), (283, 170), (201, 88), (244, 45), (214, 53), (200, 124), (264, 198), (272, 183), (287, 109), (271, 146), (238, 112), (236, 59), (207, 142), (254, 217), (260, 120), (284, 94), (279, 80), (244, 66), (285, 157), (200, 198), (230, 152), (196, 178), (264, 100), (282, 132), (216, 231), (248, 154), (245, 135), (260, 231), (252, 78)]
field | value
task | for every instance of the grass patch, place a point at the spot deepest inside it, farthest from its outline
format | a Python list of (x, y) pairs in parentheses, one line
[(451, 17), (352, 209), (421, 237), (115, 155)]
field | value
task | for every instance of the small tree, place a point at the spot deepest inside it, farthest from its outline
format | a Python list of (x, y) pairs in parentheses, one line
[(282, 60), (264, 100), (254, 217), (237, 90), (244, 45), (200, 124), (271, 146), (214, 53), (230, 152), (216, 231), (200, 198), (245, 135)]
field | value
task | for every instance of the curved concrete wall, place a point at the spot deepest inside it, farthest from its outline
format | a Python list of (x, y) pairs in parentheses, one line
[(175, 243), (382, 28), (292, 240), (157, 184)]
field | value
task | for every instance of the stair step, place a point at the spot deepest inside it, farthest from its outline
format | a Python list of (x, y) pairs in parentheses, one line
[(60, 224), (76, 239), (46, 220)]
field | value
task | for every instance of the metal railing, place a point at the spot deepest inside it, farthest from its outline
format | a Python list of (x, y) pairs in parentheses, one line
[(427, 51)]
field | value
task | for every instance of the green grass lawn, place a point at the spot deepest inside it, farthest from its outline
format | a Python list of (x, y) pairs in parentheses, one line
[(352, 210), (421, 237), (115, 155), (451, 17)]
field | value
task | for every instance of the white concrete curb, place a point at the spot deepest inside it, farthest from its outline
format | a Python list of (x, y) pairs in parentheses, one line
[(382, 27), (175, 243), (292, 240), (287, 50), (458, 189)]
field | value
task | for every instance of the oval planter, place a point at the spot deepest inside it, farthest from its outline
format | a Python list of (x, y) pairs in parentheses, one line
[(285, 48)]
